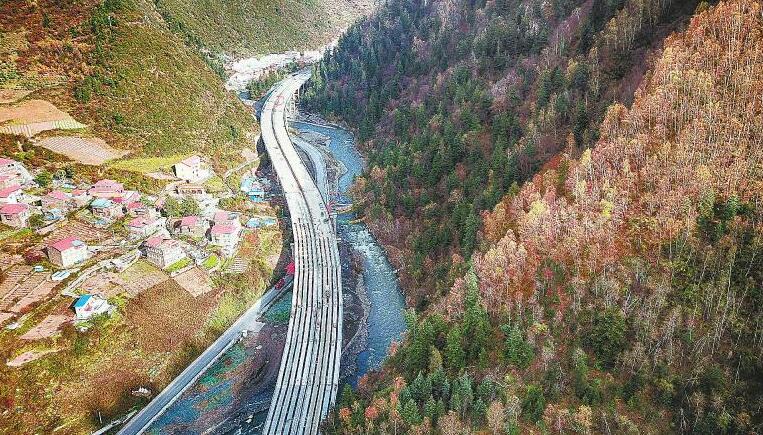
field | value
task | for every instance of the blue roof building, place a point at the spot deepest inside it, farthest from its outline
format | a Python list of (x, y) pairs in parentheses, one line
[(253, 188), (88, 306), (101, 203), (82, 301)]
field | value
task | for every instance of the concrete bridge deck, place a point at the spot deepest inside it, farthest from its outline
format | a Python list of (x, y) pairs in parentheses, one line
[(309, 374)]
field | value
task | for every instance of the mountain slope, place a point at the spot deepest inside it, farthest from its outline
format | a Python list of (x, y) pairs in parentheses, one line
[(457, 101), (619, 291), (260, 27), (171, 100), (117, 67)]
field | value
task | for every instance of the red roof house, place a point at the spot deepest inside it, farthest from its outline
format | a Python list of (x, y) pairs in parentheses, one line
[(107, 189), (10, 194), (67, 252), (15, 215), (57, 199)]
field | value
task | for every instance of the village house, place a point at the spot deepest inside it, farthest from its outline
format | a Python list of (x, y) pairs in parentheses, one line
[(192, 169), (57, 199), (15, 215), (226, 236), (191, 189), (13, 172), (107, 189), (53, 214), (127, 197), (106, 209), (163, 252), (226, 231), (138, 208), (253, 188), (88, 306), (80, 197), (192, 226), (67, 252), (11, 194), (143, 226), (226, 217), (7, 181), (261, 222)]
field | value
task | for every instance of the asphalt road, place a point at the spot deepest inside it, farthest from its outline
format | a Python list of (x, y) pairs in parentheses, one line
[(319, 163)]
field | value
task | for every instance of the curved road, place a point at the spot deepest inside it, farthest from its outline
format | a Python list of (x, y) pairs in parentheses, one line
[(318, 161), (309, 374)]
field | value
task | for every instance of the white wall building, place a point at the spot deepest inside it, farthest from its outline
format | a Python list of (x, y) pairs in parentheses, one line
[(226, 236), (11, 194), (67, 252), (163, 252), (15, 215), (144, 226), (88, 306), (14, 172), (192, 169)]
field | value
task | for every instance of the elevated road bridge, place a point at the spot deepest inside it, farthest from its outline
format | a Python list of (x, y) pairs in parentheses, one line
[(308, 377)]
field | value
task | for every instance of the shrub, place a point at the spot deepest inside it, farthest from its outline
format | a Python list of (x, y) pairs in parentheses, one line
[(44, 178)]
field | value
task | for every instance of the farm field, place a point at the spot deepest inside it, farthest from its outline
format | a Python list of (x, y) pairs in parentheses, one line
[(32, 111), (88, 151), (144, 165), (32, 117)]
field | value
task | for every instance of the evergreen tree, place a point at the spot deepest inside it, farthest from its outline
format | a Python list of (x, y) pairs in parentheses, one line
[(533, 404), (519, 352), (454, 350), (410, 413), (435, 359), (431, 410), (476, 320)]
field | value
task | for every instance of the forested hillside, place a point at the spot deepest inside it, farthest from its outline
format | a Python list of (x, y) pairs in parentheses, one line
[(617, 286), (456, 101)]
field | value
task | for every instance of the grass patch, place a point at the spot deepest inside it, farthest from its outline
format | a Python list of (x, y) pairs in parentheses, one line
[(215, 184), (211, 262), (230, 308), (141, 267), (9, 235), (147, 164), (178, 265)]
